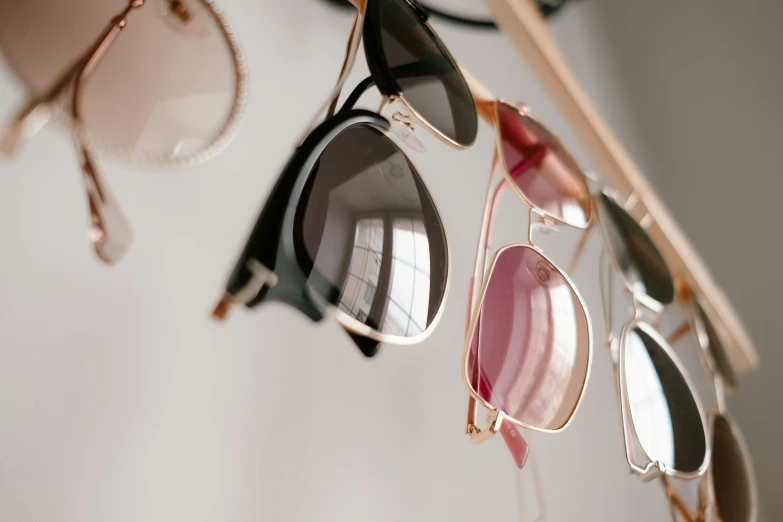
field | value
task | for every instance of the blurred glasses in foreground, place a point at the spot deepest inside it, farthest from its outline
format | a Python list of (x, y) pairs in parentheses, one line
[(151, 82), (728, 490), (528, 347), (350, 224)]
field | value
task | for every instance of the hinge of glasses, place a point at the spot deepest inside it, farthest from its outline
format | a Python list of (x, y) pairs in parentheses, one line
[(260, 276), (477, 435)]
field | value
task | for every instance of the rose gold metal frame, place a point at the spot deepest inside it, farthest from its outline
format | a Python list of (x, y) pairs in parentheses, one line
[(496, 417), (110, 231), (352, 48), (524, 110), (693, 324)]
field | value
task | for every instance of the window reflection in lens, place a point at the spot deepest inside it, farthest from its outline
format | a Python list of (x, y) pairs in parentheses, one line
[(530, 350), (374, 245), (665, 414)]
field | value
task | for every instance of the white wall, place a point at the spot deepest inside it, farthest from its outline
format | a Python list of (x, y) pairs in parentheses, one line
[(121, 401)]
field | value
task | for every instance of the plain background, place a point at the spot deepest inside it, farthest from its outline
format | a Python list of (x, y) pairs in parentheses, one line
[(121, 401)]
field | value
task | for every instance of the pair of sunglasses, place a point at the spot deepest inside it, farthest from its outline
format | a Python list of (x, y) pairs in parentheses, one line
[(528, 347), (728, 489), (350, 223), (150, 82), (662, 418)]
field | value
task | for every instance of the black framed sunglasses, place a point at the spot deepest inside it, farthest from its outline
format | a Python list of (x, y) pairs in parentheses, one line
[(350, 224)]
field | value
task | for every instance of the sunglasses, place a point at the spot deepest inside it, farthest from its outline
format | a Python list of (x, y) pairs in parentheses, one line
[(350, 223), (662, 419), (528, 347), (729, 486), (150, 83)]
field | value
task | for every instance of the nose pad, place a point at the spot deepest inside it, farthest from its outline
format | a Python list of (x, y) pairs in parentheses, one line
[(404, 129), (184, 17)]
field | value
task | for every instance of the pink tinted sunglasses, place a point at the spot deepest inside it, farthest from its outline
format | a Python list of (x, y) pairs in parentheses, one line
[(528, 347)]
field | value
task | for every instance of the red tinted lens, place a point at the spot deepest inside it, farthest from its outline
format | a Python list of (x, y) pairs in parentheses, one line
[(542, 169), (530, 350)]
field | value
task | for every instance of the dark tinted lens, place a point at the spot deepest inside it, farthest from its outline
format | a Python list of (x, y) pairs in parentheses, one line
[(717, 349), (372, 236), (664, 411), (428, 77), (642, 265), (730, 479)]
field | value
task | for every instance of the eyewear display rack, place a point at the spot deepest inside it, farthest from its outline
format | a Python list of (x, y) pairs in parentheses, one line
[(526, 29)]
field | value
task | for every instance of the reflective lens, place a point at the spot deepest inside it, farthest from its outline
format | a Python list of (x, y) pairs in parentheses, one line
[(716, 348), (542, 169), (166, 86), (730, 474), (530, 350), (665, 413), (372, 234), (430, 80), (642, 265)]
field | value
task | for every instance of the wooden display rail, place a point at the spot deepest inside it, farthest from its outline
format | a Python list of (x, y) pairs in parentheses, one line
[(524, 26)]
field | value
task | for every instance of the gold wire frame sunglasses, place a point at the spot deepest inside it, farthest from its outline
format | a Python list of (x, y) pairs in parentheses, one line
[(662, 419), (728, 490), (528, 348), (333, 232), (162, 85)]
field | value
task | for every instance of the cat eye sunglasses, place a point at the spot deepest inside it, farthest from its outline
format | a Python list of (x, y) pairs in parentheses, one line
[(156, 83), (728, 489), (528, 347), (350, 225)]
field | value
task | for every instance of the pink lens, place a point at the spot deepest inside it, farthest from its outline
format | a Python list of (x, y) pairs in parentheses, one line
[(542, 169), (530, 349)]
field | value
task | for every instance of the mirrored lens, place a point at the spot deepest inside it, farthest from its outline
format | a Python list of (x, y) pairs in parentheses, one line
[(642, 265), (541, 167), (664, 410), (730, 479), (164, 89), (530, 350), (372, 235), (430, 80), (716, 348)]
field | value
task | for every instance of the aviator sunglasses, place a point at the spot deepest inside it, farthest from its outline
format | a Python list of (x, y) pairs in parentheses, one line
[(528, 347), (662, 418), (150, 82), (350, 225), (728, 489)]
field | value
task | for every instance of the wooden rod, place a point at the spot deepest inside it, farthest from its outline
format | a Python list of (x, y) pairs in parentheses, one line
[(526, 29)]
